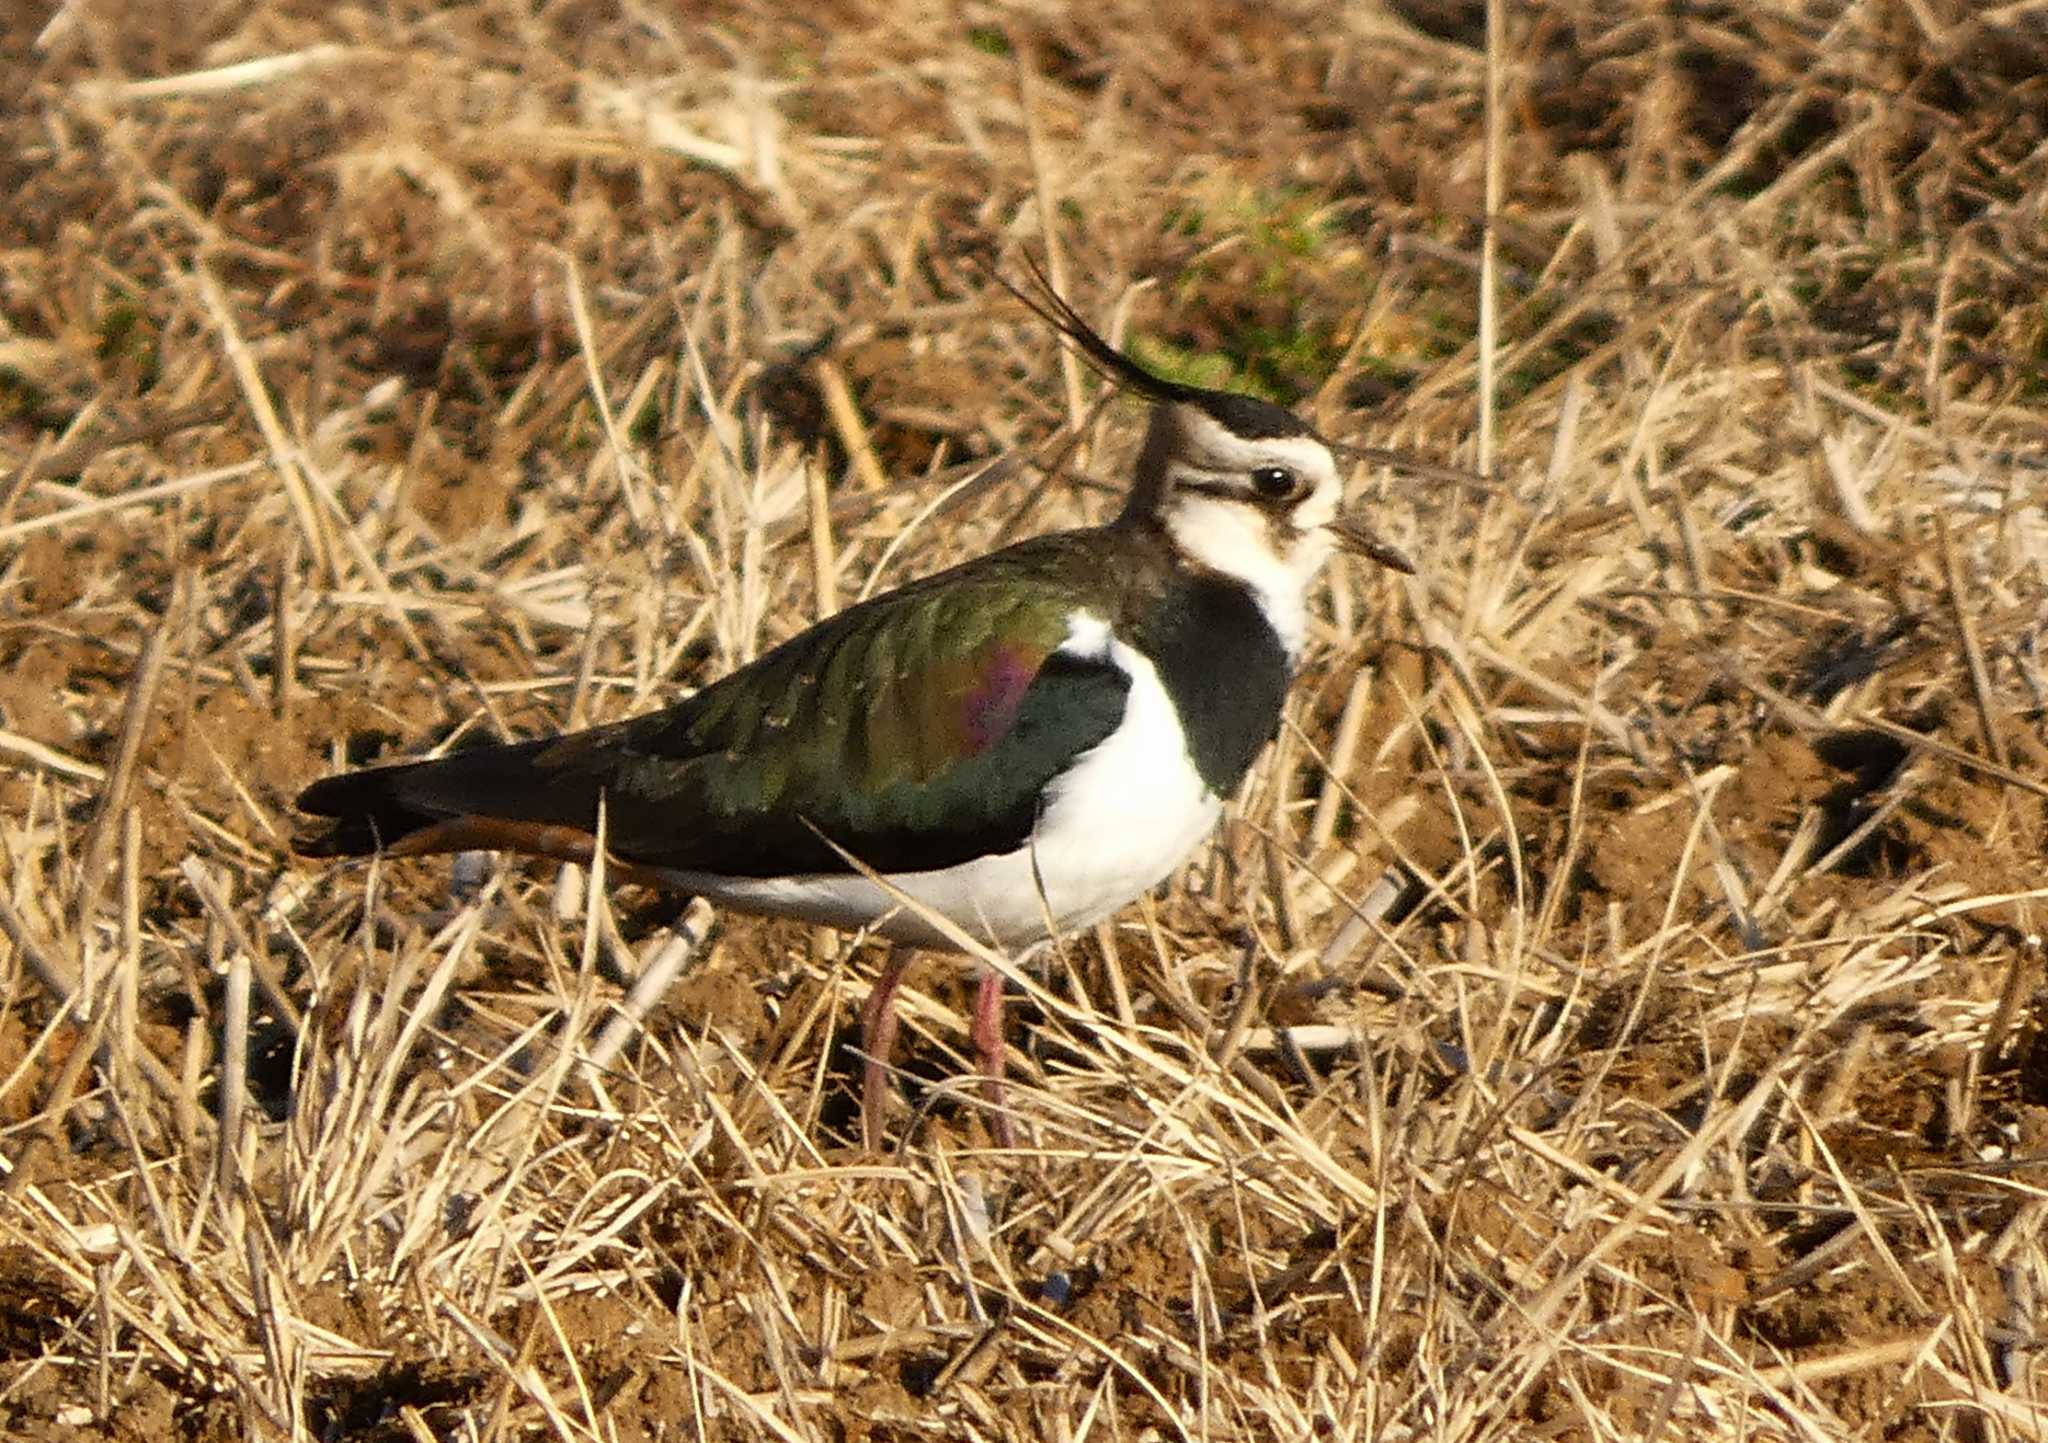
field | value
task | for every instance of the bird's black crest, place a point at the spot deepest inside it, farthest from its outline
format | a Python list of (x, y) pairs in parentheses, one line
[(1242, 415), (1252, 418)]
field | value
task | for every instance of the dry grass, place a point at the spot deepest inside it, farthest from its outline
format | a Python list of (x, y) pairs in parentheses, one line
[(1614, 1011)]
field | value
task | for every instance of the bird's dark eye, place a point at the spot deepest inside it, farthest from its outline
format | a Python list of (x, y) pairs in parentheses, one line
[(1275, 483)]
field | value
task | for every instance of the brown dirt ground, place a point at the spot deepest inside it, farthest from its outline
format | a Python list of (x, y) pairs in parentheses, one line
[(1697, 1080)]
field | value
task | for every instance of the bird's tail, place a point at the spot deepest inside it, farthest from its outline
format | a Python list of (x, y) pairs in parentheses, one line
[(517, 796), (362, 812)]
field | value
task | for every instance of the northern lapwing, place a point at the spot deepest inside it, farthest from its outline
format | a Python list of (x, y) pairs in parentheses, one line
[(1022, 744)]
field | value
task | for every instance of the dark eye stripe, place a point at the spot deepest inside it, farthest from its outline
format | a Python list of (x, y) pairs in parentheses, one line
[(1238, 488), (1243, 486)]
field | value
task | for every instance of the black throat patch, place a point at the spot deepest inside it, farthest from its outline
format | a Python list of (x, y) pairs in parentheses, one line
[(1225, 670)]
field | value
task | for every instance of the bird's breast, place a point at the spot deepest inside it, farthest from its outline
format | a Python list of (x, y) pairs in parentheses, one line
[(1225, 669)]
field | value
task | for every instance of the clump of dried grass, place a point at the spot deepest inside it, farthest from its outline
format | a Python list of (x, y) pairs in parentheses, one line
[(1611, 1012)]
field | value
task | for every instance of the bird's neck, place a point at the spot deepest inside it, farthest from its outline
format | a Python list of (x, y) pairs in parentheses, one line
[(1224, 666), (1273, 561), (1235, 544)]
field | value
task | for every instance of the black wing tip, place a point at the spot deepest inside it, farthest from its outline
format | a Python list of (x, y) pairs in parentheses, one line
[(333, 796), (359, 815)]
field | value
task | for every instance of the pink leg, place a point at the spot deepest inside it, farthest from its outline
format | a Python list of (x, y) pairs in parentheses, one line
[(878, 1040), (988, 1048)]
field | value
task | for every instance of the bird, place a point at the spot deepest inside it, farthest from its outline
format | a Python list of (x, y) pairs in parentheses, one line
[(1020, 745)]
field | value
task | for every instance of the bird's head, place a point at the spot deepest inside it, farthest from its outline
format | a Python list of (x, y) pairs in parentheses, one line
[(1241, 486)]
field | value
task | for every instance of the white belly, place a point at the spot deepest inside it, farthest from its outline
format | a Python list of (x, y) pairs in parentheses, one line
[(1115, 825)]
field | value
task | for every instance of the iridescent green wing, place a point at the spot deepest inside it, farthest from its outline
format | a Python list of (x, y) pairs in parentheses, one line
[(916, 732)]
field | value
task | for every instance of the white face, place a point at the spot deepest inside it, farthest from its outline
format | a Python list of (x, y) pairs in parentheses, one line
[(1258, 510)]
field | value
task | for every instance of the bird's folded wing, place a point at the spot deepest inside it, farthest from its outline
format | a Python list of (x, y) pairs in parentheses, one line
[(914, 736), (915, 732)]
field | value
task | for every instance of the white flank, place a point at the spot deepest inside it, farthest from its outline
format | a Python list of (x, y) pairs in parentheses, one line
[(1114, 825)]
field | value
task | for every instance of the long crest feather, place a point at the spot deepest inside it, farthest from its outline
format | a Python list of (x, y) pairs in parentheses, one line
[(1043, 300)]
